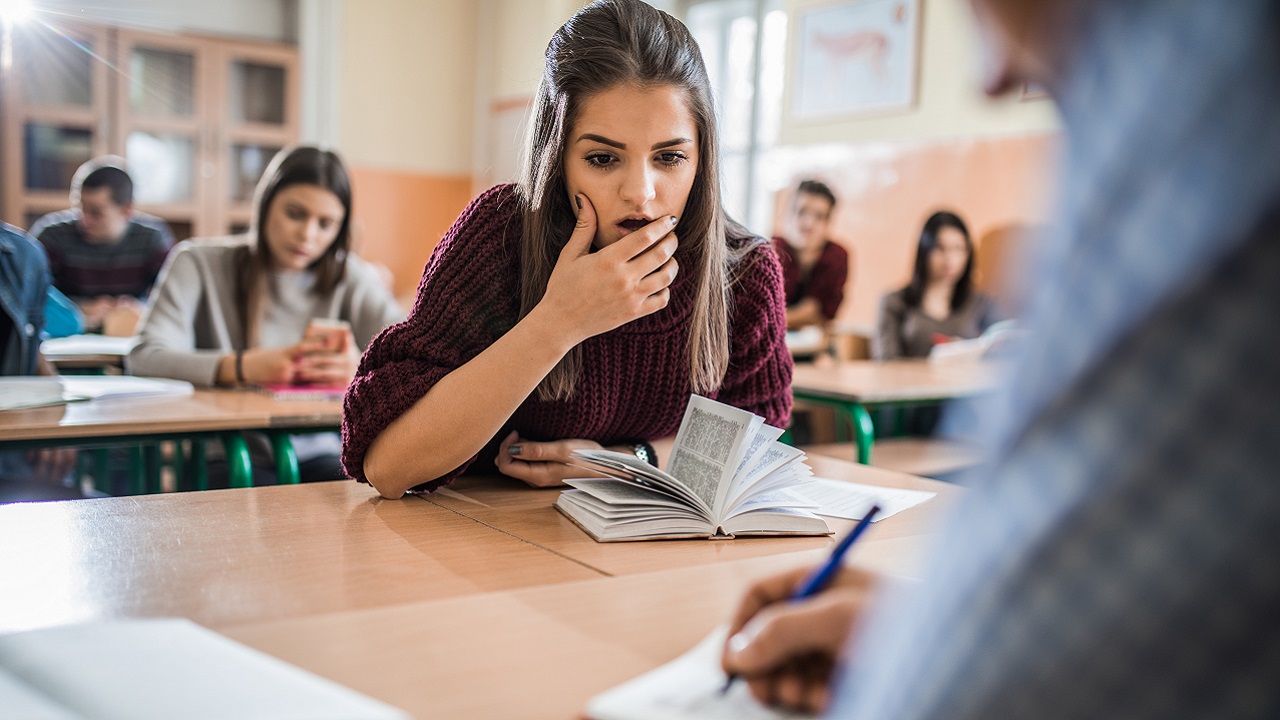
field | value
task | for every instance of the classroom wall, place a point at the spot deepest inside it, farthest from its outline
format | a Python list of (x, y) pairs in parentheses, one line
[(949, 103), (991, 161), (887, 190), (255, 19), (406, 128)]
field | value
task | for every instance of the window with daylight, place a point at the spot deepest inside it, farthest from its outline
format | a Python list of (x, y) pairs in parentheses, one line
[(744, 46)]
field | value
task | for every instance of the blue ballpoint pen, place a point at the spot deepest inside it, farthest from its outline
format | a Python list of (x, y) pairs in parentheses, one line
[(821, 577)]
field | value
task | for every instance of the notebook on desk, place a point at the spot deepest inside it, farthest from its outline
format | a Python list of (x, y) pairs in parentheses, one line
[(162, 668)]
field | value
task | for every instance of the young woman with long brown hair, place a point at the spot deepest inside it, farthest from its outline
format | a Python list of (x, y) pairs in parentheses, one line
[(233, 312), (581, 307)]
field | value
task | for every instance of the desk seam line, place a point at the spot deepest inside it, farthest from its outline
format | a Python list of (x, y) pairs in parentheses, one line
[(521, 539)]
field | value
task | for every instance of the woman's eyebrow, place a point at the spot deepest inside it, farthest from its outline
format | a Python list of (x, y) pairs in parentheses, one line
[(623, 146), (670, 143), (602, 140)]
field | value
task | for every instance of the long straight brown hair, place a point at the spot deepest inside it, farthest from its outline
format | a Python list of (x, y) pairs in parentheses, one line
[(607, 44), (299, 165)]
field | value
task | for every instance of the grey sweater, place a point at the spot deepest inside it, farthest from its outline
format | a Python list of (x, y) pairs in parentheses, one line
[(903, 331), (193, 320)]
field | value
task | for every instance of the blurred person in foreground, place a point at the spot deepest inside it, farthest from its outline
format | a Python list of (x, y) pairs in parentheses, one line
[(1117, 558), (24, 285)]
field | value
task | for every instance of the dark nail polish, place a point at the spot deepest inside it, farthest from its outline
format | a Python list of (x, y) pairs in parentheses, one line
[(514, 450), (578, 199)]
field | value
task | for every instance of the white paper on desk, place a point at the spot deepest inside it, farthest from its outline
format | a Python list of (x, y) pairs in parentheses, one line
[(836, 498), (684, 689), (20, 701), (29, 392), (171, 668), (123, 386), (89, 345)]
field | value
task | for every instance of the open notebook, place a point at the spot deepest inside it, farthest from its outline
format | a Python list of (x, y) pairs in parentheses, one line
[(162, 668), (728, 476)]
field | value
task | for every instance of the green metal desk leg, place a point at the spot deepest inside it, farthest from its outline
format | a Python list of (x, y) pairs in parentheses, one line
[(137, 471), (239, 467), (286, 459), (102, 471), (864, 431), (151, 458), (181, 482), (199, 461)]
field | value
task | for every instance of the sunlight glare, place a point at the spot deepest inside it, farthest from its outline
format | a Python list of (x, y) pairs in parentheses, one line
[(14, 12)]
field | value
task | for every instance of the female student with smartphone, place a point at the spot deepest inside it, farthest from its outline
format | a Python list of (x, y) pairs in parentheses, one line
[(287, 304), (580, 307)]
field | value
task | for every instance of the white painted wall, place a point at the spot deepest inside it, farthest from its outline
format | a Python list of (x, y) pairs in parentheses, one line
[(252, 19), (950, 102), (407, 83)]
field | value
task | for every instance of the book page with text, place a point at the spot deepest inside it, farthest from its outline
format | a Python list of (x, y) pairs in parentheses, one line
[(710, 444)]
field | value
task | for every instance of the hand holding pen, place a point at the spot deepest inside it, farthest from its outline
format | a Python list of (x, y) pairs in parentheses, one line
[(788, 633)]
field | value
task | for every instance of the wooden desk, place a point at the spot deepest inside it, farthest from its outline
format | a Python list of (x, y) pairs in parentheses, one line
[(538, 652), (207, 414), (441, 613), (534, 653), (224, 557), (529, 514), (852, 386)]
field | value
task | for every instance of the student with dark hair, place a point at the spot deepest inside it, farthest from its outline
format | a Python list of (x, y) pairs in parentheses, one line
[(582, 306), (235, 312), (940, 303), (103, 254), (814, 267)]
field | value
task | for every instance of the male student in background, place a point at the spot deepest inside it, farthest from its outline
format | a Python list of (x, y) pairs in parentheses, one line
[(103, 254), (24, 284), (1118, 557), (814, 268)]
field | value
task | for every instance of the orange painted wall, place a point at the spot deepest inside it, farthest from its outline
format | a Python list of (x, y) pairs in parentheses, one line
[(401, 216), (887, 190)]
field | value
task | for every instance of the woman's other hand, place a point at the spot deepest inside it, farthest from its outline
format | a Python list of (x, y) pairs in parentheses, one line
[(542, 464)]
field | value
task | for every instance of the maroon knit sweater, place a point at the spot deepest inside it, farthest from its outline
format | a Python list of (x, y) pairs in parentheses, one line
[(635, 379)]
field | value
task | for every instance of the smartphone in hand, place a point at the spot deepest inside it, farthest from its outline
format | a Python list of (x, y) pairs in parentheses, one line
[(331, 334)]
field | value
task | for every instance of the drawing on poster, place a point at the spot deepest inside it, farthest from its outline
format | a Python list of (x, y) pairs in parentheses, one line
[(855, 57)]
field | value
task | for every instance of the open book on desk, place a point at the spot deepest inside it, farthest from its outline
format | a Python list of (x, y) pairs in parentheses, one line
[(728, 476)]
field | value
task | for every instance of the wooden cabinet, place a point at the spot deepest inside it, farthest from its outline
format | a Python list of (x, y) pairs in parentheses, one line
[(197, 119)]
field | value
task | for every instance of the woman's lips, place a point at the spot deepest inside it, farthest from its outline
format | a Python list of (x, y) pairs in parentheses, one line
[(631, 225)]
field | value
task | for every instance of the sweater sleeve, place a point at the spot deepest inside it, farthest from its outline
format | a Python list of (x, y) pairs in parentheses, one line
[(759, 374), (369, 305), (166, 338), (463, 306)]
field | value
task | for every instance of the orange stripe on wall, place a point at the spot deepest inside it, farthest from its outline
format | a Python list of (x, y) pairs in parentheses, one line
[(401, 216), (886, 191)]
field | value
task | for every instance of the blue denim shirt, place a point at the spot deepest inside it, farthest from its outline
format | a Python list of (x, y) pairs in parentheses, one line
[(24, 282)]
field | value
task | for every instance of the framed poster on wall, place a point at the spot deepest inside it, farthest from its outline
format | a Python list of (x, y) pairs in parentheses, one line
[(854, 57)]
